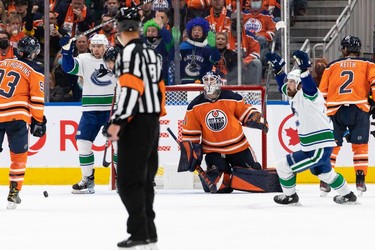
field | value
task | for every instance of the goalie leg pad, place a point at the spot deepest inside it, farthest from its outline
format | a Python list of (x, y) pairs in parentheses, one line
[(258, 181), (191, 156)]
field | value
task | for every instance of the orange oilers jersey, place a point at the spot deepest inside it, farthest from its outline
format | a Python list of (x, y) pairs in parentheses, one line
[(217, 125), (260, 24), (198, 4), (348, 81), (9, 54), (21, 90), (220, 23)]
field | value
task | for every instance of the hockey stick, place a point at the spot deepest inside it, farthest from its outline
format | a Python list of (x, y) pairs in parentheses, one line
[(99, 26), (106, 163), (211, 186), (279, 25)]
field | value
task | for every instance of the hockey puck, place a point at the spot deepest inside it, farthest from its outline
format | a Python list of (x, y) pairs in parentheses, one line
[(45, 193)]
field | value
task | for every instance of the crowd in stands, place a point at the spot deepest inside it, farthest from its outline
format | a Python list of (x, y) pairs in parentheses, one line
[(205, 34)]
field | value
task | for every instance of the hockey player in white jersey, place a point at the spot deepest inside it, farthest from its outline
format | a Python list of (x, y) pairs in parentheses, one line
[(315, 131), (97, 95)]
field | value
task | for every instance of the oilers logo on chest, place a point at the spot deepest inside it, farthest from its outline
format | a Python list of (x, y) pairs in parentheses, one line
[(216, 120)]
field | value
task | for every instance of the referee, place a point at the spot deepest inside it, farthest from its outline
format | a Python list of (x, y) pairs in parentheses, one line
[(135, 124)]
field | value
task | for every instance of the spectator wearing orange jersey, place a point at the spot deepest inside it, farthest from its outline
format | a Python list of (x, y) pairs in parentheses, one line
[(268, 5), (261, 26), (77, 18), (219, 17), (250, 49), (15, 29), (198, 8), (108, 30), (6, 50)]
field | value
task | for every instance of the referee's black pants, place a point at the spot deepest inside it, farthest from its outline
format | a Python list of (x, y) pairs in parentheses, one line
[(136, 170)]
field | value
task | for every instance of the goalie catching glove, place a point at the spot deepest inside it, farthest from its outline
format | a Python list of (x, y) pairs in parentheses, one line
[(191, 156), (256, 120)]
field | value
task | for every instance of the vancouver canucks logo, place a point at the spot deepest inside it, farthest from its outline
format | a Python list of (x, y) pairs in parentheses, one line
[(192, 69), (216, 120), (102, 76)]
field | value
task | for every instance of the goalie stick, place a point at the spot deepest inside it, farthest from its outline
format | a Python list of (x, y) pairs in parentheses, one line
[(201, 173), (99, 26)]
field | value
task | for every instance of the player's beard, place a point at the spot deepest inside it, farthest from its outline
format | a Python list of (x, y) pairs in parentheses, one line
[(291, 93)]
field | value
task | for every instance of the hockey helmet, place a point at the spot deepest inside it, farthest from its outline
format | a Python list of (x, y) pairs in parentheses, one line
[(128, 19), (212, 86), (352, 43), (111, 54), (99, 39), (295, 75), (28, 47)]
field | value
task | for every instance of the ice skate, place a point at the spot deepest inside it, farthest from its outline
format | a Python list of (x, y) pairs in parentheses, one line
[(346, 199), (360, 182), (133, 244), (286, 200), (324, 189), (85, 186), (13, 197)]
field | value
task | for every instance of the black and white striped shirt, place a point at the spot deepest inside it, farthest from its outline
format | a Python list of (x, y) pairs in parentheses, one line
[(138, 69)]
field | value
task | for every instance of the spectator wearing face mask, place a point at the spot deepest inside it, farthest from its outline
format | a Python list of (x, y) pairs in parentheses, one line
[(6, 51), (160, 39), (261, 26)]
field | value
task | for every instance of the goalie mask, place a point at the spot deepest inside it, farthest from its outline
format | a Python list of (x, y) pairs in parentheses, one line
[(212, 86)]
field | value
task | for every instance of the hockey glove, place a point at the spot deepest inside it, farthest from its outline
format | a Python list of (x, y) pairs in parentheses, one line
[(105, 129), (211, 39), (276, 61), (38, 129), (67, 45), (302, 60), (256, 121)]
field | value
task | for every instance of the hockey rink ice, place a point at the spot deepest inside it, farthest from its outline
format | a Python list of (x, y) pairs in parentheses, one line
[(188, 220)]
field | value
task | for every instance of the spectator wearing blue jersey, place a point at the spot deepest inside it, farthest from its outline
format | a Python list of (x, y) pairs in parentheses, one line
[(198, 52)]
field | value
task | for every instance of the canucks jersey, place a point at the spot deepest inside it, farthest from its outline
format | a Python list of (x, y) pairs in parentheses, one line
[(98, 82), (21, 90), (315, 129), (217, 125), (348, 81)]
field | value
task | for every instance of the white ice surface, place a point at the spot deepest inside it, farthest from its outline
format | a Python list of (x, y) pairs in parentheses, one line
[(187, 220)]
